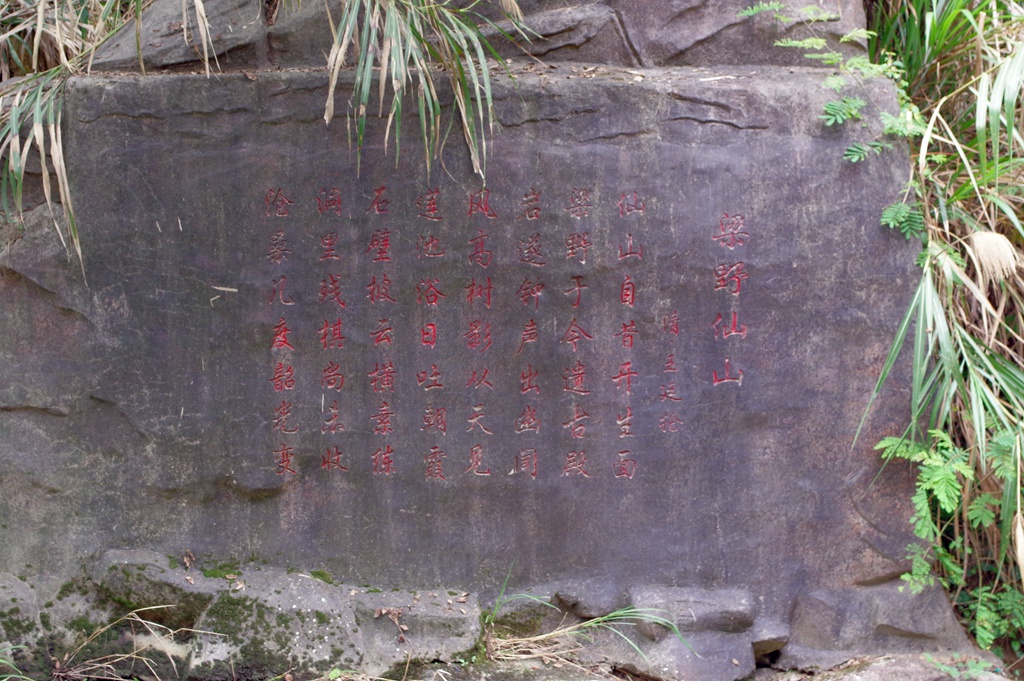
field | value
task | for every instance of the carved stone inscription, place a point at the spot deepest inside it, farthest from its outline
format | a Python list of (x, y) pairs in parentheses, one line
[(453, 334), (641, 352)]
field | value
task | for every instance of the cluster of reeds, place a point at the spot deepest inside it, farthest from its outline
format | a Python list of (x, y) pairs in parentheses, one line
[(401, 44), (963, 63)]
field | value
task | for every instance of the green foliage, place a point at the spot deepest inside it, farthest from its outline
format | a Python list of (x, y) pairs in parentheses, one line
[(760, 7), (803, 44), (400, 44), (9, 670), (908, 219), (322, 575), (839, 111), (856, 67), (959, 70), (406, 39), (858, 151), (965, 668)]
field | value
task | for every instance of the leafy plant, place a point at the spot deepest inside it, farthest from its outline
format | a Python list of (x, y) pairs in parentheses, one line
[(959, 70), (401, 44), (964, 67), (9, 670), (839, 111), (907, 219), (858, 151), (407, 38)]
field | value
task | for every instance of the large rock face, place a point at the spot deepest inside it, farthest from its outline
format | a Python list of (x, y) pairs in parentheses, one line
[(630, 368)]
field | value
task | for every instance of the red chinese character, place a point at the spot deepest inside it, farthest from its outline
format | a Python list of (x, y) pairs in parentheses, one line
[(432, 460), (435, 419), (625, 423), (669, 423), (431, 378), (380, 290), (670, 364), (281, 332), (575, 425), (574, 334), (479, 335), (530, 289), (327, 244), (623, 467), (331, 460), (331, 336), (627, 334), (382, 377), (480, 381), (383, 464), (278, 292), (284, 455), (530, 205), (627, 292), (278, 250), (526, 462), (670, 323), (669, 392), (428, 334), (380, 204), (579, 203), (427, 292), (526, 380), (625, 377), (577, 288), (574, 378), (329, 200), (429, 246), (277, 203), (735, 329), (577, 245), (481, 291), (730, 277), (479, 203), (476, 461), (529, 335), (629, 252), (332, 378), (380, 244), (331, 423), (382, 420), (575, 464), (730, 234), (629, 205), (282, 413), (330, 289), (527, 421), (727, 377), (427, 205), (480, 255), (476, 420), (284, 377), (529, 250), (381, 333)]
